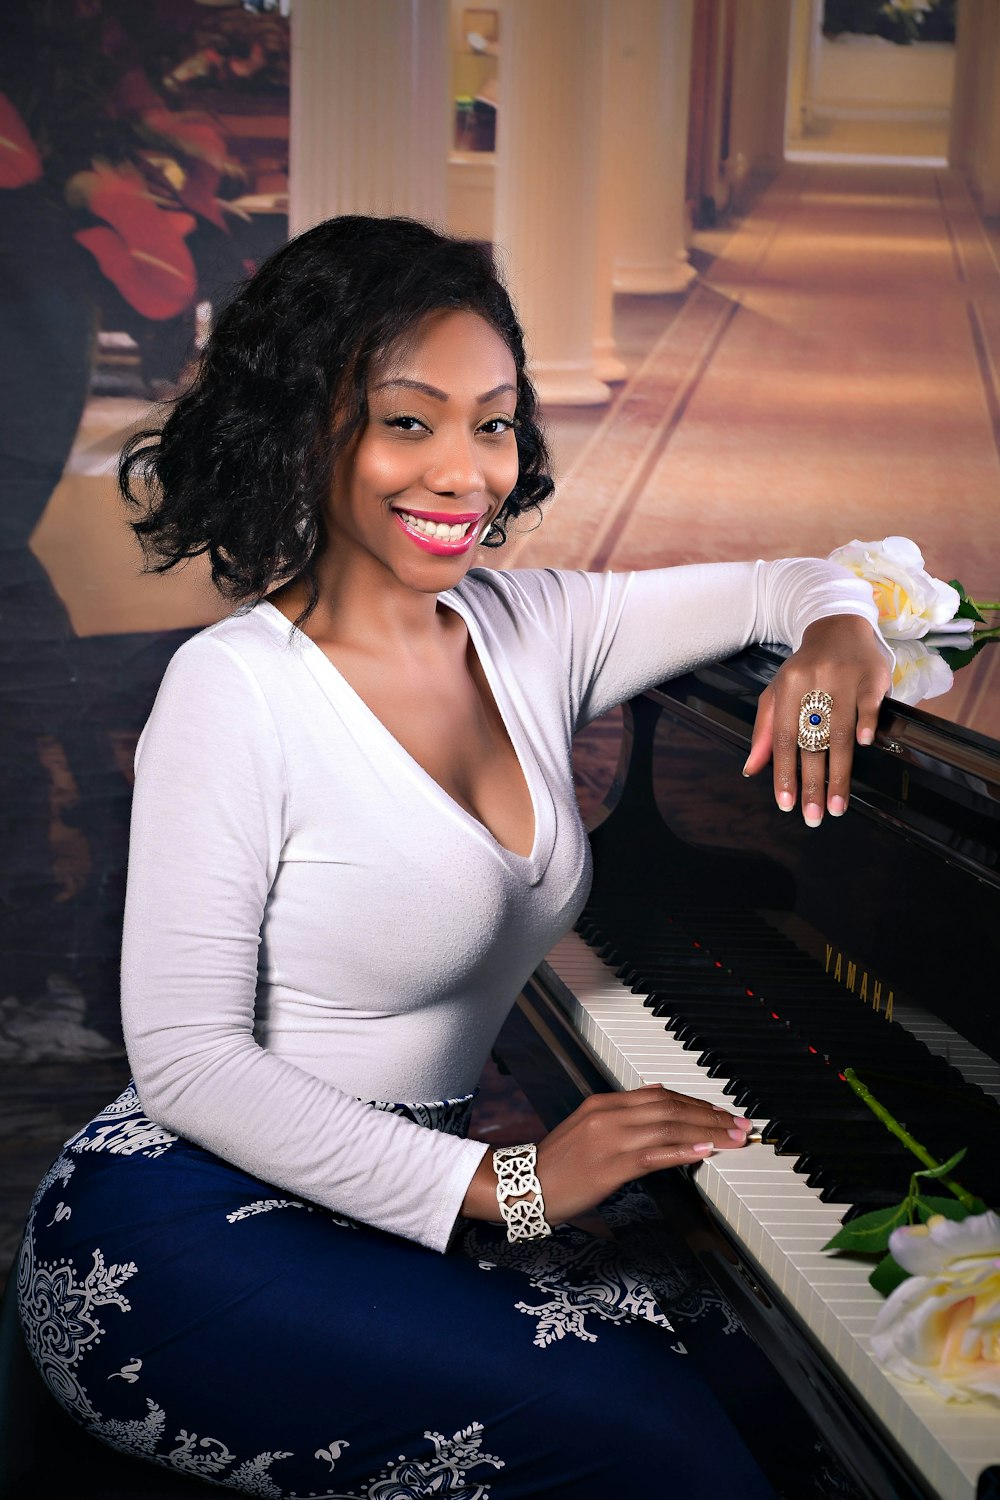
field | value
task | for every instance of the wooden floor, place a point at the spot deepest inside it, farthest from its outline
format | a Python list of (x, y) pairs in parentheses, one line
[(832, 374)]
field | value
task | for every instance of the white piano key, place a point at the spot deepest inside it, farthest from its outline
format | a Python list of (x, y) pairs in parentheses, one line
[(780, 1222)]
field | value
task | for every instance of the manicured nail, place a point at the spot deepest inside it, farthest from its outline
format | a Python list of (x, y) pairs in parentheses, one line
[(865, 736), (704, 1148), (786, 801), (813, 814), (745, 764), (837, 807), (742, 1122), (737, 1135)]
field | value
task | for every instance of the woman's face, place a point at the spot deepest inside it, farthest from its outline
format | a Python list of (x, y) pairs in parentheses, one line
[(436, 459)]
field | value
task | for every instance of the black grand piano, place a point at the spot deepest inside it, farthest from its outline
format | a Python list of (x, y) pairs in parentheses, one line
[(730, 952)]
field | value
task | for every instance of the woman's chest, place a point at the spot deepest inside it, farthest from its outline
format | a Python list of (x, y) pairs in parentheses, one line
[(452, 728)]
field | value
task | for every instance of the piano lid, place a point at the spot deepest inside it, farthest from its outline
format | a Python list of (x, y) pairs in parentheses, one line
[(904, 890)]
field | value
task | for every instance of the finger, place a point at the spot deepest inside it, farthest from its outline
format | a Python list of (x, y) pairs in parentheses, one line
[(655, 1094), (683, 1133), (690, 1124), (813, 786), (760, 742), (785, 754), (839, 762), (681, 1110), (658, 1158), (869, 702)]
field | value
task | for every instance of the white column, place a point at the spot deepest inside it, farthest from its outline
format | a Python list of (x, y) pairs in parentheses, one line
[(650, 59), (760, 78), (607, 365), (546, 188), (369, 109)]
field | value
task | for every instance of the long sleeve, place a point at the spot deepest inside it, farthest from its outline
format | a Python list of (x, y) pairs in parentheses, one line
[(621, 633), (208, 823)]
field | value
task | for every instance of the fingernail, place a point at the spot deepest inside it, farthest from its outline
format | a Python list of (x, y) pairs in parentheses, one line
[(813, 814), (745, 772), (737, 1135), (786, 801), (742, 1122), (704, 1148), (837, 807), (865, 736)]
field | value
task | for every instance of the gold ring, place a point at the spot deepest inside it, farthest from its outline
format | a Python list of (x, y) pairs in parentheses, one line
[(814, 720)]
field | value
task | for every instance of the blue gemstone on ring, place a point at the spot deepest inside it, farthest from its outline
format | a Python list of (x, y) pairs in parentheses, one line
[(815, 719)]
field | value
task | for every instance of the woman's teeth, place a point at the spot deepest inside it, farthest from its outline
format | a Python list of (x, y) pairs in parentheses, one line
[(437, 528)]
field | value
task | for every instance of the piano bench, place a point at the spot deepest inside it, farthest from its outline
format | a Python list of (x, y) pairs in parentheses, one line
[(44, 1452)]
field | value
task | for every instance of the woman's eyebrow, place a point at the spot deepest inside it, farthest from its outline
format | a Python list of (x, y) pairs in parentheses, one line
[(432, 390)]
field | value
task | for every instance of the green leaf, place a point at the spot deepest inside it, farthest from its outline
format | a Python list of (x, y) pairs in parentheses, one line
[(949, 1208), (945, 1167), (956, 657), (887, 1276), (869, 1233), (966, 610)]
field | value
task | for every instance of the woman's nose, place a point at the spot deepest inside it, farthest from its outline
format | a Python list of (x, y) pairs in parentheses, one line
[(455, 467)]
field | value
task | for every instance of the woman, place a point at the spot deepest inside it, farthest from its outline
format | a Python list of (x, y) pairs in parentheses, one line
[(354, 836)]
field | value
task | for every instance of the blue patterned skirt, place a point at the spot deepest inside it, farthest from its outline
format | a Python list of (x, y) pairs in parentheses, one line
[(188, 1313)]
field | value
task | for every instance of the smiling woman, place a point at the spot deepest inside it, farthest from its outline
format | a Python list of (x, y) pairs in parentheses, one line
[(354, 836)]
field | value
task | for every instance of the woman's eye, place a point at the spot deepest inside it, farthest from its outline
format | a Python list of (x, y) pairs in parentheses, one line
[(497, 426), (405, 424)]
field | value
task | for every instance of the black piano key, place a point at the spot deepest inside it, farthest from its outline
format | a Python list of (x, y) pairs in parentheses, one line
[(852, 1175), (862, 1199), (748, 1050), (833, 1136), (703, 986), (704, 1034)]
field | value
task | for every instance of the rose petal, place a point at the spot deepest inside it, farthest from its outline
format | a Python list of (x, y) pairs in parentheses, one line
[(951, 1239)]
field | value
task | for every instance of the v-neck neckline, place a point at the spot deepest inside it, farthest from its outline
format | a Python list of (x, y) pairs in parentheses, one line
[(533, 863)]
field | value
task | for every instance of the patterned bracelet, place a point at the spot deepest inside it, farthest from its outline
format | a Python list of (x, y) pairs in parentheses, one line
[(523, 1215)]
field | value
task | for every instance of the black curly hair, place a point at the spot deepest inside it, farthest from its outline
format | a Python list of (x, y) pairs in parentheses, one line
[(242, 466)]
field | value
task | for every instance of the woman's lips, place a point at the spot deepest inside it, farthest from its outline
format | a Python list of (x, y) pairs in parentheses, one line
[(441, 545)]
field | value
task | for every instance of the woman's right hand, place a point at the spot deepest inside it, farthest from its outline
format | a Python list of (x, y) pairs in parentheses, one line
[(613, 1139)]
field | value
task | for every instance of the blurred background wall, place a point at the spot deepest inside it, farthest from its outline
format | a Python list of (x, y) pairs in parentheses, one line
[(753, 244)]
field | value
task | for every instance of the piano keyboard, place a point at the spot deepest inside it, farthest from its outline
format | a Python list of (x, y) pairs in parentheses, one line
[(780, 1223)]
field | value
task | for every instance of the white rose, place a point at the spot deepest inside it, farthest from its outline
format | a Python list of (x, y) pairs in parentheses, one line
[(942, 1326), (910, 602), (919, 673)]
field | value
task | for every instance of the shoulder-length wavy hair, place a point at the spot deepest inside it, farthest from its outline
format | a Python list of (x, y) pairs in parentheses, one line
[(242, 466)]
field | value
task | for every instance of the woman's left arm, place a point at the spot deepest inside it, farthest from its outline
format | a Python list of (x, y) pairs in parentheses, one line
[(841, 656), (621, 633)]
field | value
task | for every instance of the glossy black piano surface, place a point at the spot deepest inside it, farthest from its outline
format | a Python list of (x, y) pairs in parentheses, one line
[(781, 954), (905, 889)]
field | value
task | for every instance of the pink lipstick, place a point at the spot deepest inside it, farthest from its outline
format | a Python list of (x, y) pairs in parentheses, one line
[(438, 545)]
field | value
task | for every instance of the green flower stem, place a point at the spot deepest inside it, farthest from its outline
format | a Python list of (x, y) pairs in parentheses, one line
[(901, 1133), (984, 604)]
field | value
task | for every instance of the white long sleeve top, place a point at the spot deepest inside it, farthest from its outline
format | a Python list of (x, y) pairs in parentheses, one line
[(311, 921)]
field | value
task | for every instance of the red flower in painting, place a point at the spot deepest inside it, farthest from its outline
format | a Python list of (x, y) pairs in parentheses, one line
[(202, 152), (143, 252), (19, 161), (198, 192)]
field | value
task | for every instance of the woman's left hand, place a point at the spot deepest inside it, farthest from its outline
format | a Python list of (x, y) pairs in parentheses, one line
[(840, 656)]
